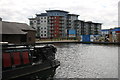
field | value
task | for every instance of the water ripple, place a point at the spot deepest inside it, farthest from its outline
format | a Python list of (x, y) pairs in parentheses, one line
[(87, 61)]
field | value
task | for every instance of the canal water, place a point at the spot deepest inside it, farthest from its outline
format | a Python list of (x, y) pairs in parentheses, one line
[(87, 61)]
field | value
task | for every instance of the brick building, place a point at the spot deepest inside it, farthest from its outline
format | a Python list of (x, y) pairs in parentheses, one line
[(17, 33)]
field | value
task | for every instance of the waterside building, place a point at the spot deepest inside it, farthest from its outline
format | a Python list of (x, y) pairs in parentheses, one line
[(60, 24), (17, 33)]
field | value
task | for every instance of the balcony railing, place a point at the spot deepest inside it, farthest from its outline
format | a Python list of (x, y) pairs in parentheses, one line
[(51, 29), (61, 22)]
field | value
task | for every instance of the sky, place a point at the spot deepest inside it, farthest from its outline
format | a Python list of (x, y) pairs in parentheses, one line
[(101, 11)]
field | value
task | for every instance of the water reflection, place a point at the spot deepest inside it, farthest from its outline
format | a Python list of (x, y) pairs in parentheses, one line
[(87, 61)]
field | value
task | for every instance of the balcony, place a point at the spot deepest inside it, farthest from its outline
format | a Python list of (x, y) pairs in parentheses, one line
[(61, 26), (51, 32), (61, 33), (62, 19), (50, 18), (61, 22), (51, 28), (50, 21), (61, 29), (68, 23), (38, 22)]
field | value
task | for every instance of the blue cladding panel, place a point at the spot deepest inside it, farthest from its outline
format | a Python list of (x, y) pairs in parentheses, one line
[(116, 29), (72, 31), (105, 30), (56, 14), (86, 38)]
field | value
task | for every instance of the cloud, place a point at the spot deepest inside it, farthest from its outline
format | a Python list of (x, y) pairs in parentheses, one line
[(102, 11)]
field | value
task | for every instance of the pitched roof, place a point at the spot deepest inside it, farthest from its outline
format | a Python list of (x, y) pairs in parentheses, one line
[(15, 28)]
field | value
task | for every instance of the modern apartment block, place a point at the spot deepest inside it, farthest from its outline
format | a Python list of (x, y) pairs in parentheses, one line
[(33, 24), (53, 23), (79, 27), (87, 28), (70, 23), (59, 23), (40, 24)]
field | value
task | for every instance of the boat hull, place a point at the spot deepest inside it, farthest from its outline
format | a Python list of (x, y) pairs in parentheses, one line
[(43, 70)]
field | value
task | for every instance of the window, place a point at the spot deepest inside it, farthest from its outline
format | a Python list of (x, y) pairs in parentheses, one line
[(38, 28), (41, 31), (44, 17), (31, 22), (41, 17), (41, 34), (23, 38), (44, 21), (38, 20), (44, 34), (41, 21), (44, 31)]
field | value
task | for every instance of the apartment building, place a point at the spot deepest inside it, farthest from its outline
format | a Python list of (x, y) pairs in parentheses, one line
[(40, 24), (33, 24), (79, 27), (87, 28), (59, 23), (53, 23), (70, 20), (70, 23)]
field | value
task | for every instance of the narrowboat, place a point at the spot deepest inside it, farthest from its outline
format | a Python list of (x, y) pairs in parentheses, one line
[(25, 62)]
